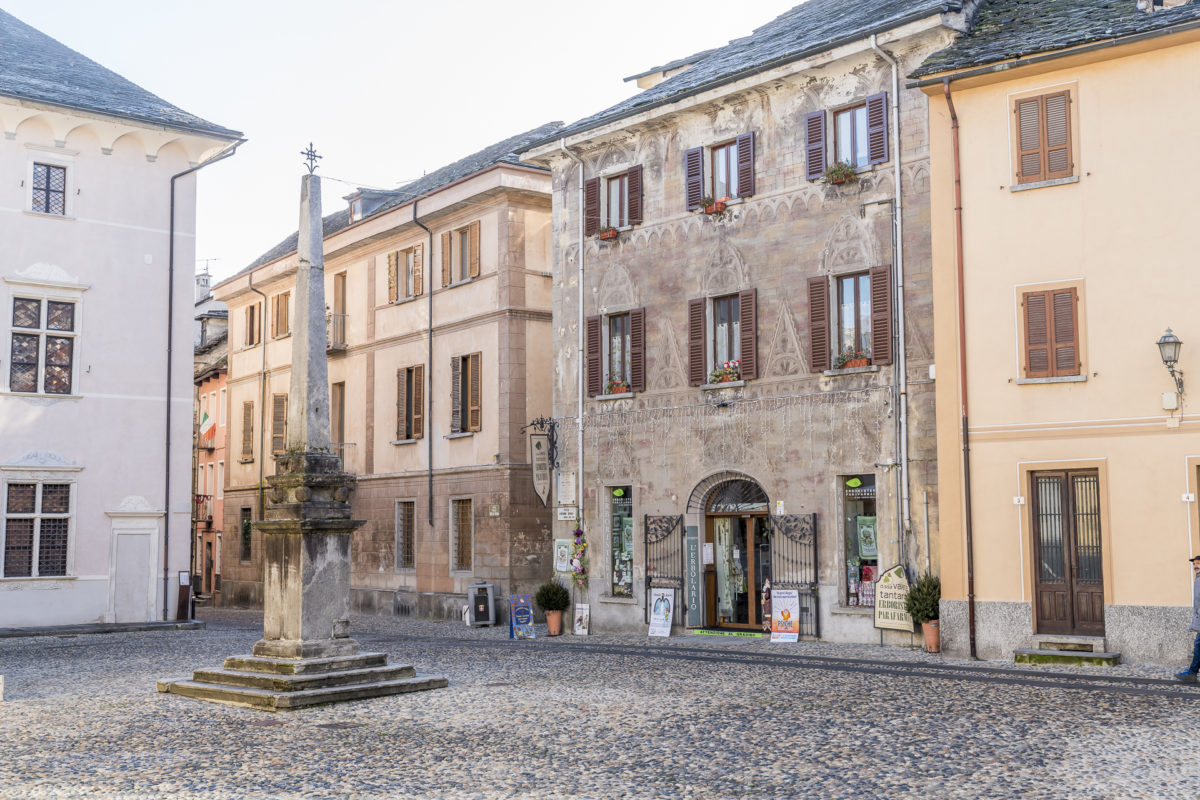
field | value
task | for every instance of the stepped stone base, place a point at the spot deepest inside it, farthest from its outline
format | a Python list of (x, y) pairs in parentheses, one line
[(1068, 658), (283, 684)]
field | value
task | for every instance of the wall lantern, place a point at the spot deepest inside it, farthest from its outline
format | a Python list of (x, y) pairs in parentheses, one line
[(1168, 347)]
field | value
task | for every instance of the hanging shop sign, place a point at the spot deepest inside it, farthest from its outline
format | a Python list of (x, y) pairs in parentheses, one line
[(785, 615), (562, 555), (583, 618), (891, 594), (520, 617), (662, 606), (692, 583), (539, 458)]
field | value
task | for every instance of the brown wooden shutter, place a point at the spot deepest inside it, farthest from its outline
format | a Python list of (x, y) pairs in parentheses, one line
[(637, 350), (456, 408), (475, 395), (693, 176), (401, 404), (877, 128), (1037, 335), (595, 373), (418, 270), (697, 367), (275, 316), (635, 195), (279, 403), (392, 275), (591, 206), (1030, 167), (1066, 345), (250, 325), (1056, 110), (818, 324), (748, 333), (285, 303), (247, 430), (745, 165), (473, 268), (418, 401), (446, 258), (814, 147), (881, 315)]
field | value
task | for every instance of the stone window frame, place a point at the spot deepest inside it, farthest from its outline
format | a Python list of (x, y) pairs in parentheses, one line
[(455, 564), (44, 291), (59, 159), (40, 475), (412, 542)]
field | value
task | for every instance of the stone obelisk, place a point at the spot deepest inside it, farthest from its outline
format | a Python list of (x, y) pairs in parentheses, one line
[(306, 655)]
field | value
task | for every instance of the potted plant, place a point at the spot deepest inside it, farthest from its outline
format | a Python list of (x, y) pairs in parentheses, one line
[(553, 598), (710, 206), (608, 232), (839, 172), (728, 371), (617, 387), (851, 357), (922, 606)]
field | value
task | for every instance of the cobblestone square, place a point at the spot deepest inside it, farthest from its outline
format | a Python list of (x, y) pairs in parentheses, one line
[(598, 717)]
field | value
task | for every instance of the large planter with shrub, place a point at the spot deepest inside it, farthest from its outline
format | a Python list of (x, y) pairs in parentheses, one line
[(553, 598), (922, 605)]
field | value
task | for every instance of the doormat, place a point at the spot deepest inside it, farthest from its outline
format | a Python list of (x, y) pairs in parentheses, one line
[(712, 632)]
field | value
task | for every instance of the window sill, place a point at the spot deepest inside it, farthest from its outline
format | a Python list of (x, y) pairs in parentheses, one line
[(713, 387), (1055, 379), (406, 300), (245, 460), (43, 395), (287, 335), (462, 435), (852, 370), (621, 601), (44, 215), (1024, 187), (853, 611), (406, 441), (458, 283), (39, 578), (622, 396)]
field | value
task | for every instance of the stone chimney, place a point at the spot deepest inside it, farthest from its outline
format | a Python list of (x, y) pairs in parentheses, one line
[(203, 285)]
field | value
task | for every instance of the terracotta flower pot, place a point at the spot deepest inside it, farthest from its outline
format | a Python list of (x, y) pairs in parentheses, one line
[(554, 622), (857, 362), (933, 636), (609, 234), (715, 208)]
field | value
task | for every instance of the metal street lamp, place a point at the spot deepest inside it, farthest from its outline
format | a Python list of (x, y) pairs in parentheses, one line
[(1168, 348)]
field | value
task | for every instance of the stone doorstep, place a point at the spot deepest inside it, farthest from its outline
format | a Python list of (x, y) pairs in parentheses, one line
[(267, 700), (296, 683), (1089, 644), (1066, 658), (304, 666)]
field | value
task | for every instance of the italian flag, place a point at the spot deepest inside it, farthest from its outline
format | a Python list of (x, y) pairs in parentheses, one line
[(208, 426)]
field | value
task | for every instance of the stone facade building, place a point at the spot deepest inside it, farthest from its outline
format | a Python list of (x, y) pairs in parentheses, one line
[(439, 354), (752, 335)]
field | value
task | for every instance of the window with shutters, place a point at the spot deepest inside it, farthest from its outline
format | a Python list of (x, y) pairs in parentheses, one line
[(852, 325), (281, 323), (43, 343), (465, 394), (613, 201), (859, 136), (279, 411), (36, 533), (730, 173), (854, 318), (410, 403), (462, 534), (1042, 135), (49, 189), (460, 254), (253, 324), (617, 362), (247, 432), (616, 353), (723, 338), (406, 511), (406, 274), (1049, 335), (726, 328)]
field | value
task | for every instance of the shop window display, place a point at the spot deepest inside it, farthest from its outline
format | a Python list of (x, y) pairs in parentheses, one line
[(622, 541), (862, 545)]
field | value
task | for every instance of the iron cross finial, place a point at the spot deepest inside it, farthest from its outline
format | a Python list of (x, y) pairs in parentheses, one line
[(310, 155)]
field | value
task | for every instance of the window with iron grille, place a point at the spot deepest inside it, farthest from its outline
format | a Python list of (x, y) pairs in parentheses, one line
[(246, 535), (462, 530), (42, 355), (49, 189), (37, 528), (405, 547)]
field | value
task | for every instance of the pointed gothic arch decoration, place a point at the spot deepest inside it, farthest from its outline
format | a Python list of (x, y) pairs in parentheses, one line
[(850, 246), (617, 291), (725, 271)]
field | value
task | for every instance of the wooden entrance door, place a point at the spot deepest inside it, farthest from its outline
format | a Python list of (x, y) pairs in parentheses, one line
[(741, 562), (1068, 568)]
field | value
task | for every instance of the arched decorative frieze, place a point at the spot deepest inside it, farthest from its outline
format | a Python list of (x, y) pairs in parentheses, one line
[(850, 246), (11, 118)]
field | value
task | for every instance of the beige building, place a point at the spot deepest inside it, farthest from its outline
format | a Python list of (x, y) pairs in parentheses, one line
[(746, 335), (438, 343), (1079, 509)]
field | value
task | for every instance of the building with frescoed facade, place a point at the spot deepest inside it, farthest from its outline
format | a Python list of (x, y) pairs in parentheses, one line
[(1069, 126), (439, 355), (94, 521), (752, 338)]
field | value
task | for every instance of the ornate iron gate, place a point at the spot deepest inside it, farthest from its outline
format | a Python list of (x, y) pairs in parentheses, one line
[(794, 564), (664, 556)]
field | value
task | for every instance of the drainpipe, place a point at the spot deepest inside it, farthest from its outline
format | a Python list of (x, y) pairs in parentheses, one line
[(224, 154), (562, 145), (898, 281), (429, 371), (962, 366), (262, 399)]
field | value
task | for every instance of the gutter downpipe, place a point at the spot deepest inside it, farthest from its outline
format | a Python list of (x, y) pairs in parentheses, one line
[(262, 401), (429, 371), (224, 154), (562, 145), (962, 366), (902, 343)]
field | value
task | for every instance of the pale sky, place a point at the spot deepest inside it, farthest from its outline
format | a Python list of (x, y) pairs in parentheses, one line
[(386, 90)]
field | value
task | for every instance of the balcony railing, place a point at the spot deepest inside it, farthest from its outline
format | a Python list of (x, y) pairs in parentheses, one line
[(204, 509), (335, 331)]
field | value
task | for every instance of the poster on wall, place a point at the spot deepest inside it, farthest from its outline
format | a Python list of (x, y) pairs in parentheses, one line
[(520, 617), (868, 545), (785, 615), (891, 594), (562, 555), (662, 606), (583, 618)]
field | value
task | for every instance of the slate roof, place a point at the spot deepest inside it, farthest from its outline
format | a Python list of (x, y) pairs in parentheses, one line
[(807, 29), (502, 152), (1006, 29), (35, 67)]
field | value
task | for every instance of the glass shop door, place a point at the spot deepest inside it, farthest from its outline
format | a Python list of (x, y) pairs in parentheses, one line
[(740, 548)]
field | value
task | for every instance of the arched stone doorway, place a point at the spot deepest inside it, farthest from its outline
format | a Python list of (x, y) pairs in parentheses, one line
[(736, 548)]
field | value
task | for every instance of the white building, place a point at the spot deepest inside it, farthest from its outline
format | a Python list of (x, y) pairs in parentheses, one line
[(94, 463)]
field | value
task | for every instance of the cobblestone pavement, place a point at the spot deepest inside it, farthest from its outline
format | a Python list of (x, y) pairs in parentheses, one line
[(598, 717)]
